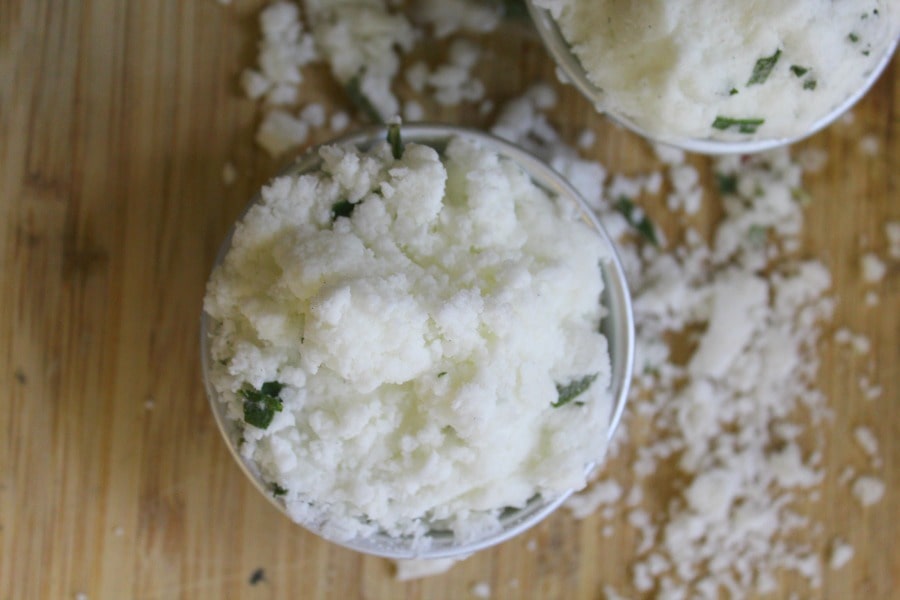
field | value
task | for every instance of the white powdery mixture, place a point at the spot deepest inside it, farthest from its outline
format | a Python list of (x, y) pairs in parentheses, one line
[(674, 68), (421, 340)]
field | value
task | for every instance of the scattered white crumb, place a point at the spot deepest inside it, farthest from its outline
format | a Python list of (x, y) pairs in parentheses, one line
[(485, 107), (81, 596), (413, 111), (513, 584), (812, 160), (149, 404), (869, 389), (669, 155), (118, 531), (892, 231), (607, 531), (866, 440), (313, 114), (531, 546), (281, 131), (611, 593), (482, 589), (339, 122), (224, 2), (543, 95), (584, 504), (847, 118), (873, 269), (839, 554), (859, 342), (869, 144), (846, 475), (868, 490), (417, 568), (586, 139), (872, 298), (229, 174)]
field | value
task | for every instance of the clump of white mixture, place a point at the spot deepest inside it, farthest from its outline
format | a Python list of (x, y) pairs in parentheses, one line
[(422, 336), (722, 69)]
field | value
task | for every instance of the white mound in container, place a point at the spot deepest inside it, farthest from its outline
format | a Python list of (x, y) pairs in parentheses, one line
[(721, 76), (417, 348)]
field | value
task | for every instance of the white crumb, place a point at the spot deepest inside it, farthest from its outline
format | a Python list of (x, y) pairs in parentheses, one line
[(339, 122), (482, 589), (416, 568), (869, 145), (892, 231), (873, 268), (868, 490), (872, 298), (584, 504), (586, 139), (839, 554)]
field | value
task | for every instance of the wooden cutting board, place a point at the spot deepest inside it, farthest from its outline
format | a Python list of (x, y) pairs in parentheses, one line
[(116, 119)]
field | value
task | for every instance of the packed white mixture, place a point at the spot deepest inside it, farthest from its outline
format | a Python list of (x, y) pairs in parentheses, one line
[(407, 343), (722, 69)]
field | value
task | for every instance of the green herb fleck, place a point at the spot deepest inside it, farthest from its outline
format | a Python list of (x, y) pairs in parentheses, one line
[(277, 490), (799, 71), (361, 101), (744, 125), (853, 38), (810, 84), (758, 234), (865, 53), (344, 208), (393, 138), (261, 405), (643, 225), (442, 373), (733, 92), (763, 68), (566, 393), (727, 183), (514, 9)]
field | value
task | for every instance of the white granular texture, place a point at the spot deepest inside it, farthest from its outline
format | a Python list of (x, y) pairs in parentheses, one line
[(449, 16), (285, 48), (584, 504), (481, 589), (868, 490), (732, 414), (421, 341), (280, 131), (699, 60), (839, 554), (868, 442), (869, 145), (873, 268), (892, 231), (417, 568)]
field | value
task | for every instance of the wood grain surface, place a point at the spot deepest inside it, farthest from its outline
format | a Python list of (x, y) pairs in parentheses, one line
[(116, 119)]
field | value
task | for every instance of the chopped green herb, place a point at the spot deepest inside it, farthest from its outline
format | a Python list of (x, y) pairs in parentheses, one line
[(727, 183), (344, 208), (393, 138), (758, 234), (810, 84), (442, 373), (261, 405), (865, 53), (853, 38), (744, 125), (566, 393), (514, 9), (733, 92), (763, 68), (643, 225), (799, 71), (277, 490), (361, 101)]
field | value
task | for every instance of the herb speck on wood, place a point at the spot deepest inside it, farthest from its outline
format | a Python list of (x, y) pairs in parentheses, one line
[(258, 576)]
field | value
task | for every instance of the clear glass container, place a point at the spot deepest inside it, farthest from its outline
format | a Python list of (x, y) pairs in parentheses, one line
[(617, 326), (571, 70)]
